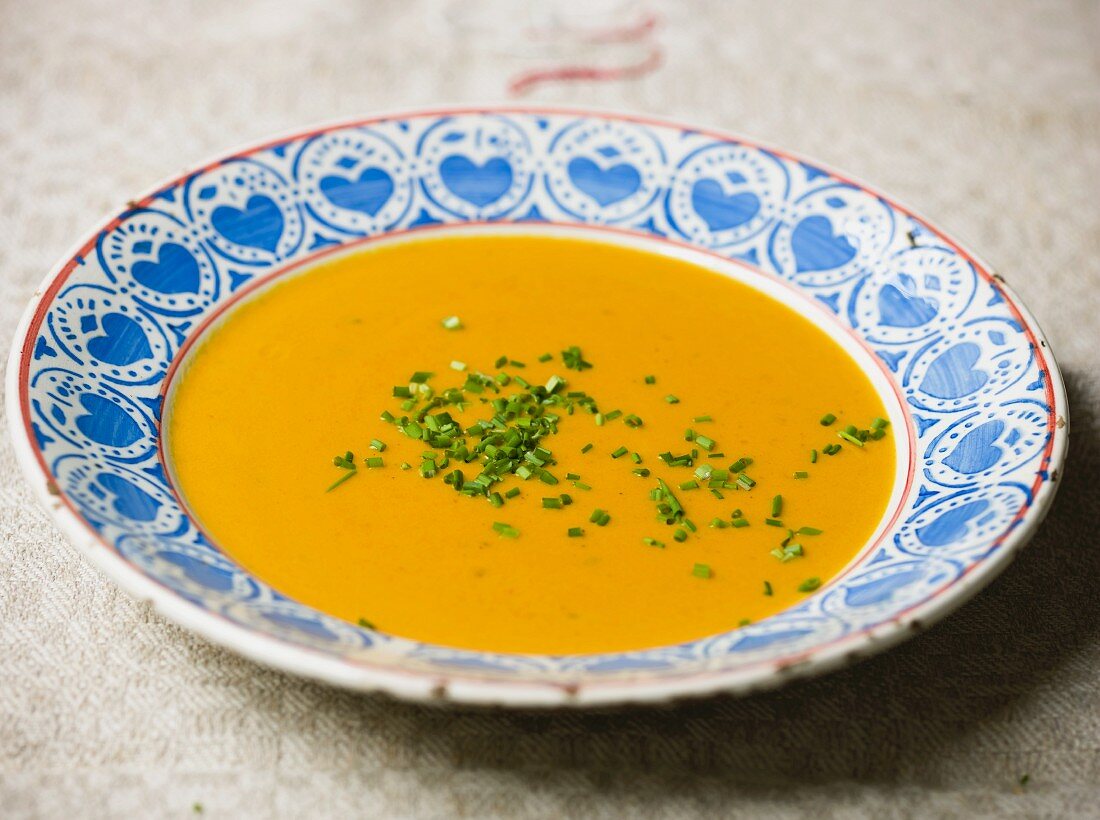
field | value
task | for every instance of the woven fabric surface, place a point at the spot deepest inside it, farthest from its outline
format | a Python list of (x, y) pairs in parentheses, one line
[(984, 116)]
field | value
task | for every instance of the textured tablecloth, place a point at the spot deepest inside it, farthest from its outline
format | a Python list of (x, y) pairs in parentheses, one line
[(985, 116)]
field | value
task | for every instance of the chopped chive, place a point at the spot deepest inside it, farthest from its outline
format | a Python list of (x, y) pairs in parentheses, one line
[(813, 456), (545, 357), (363, 622), (596, 514), (706, 442), (572, 477), (717, 493), (376, 444), (496, 500), (618, 453), (739, 522), (576, 532), (375, 461), (690, 524), (387, 416), (827, 419), (636, 458), (420, 377), (850, 429), (850, 438), (614, 414), (653, 542), (701, 571), (457, 365), (701, 419), (515, 363), (809, 531), (552, 503), (580, 485), (718, 523), (452, 323), (689, 435), (401, 391), (879, 423), (767, 588), (809, 585), (599, 419), (512, 493), (777, 506), (505, 530), (641, 472), (772, 522), (878, 433), (573, 358), (680, 535), (689, 485), (650, 379), (671, 399), (405, 465), (349, 474), (500, 362), (566, 499), (801, 474), (632, 420), (603, 520), (586, 447)]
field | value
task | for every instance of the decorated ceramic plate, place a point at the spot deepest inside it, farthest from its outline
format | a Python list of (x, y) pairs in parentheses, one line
[(535, 407)]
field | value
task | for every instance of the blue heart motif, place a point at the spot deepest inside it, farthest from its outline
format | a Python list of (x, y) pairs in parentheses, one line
[(720, 211), (314, 628), (880, 590), (817, 247), (751, 642), (258, 225), (899, 308), (479, 185), (952, 374), (201, 573), (976, 451), (952, 525), (130, 500), (366, 194), (106, 422), (605, 186), (123, 341), (175, 271)]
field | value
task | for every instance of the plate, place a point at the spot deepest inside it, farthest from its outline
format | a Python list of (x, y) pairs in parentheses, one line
[(985, 404)]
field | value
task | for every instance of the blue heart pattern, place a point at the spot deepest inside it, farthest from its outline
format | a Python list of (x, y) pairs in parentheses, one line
[(952, 374), (480, 185), (106, 422), (880, 590), (719, 210), (123, 341), (200, 572), (367, 193), (902, 307), (816, 246), (976, 451), (130, 500), (751, 642), (606, 186), (952, 525), (259, 224), (175, 271)]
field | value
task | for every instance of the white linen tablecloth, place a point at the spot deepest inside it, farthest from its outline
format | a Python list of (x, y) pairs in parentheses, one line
[(985, 116)]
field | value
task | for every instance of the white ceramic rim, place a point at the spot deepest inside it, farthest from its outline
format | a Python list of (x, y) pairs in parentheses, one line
[(466, 688)]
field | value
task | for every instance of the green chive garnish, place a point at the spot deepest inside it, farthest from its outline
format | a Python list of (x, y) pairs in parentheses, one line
[(341, 480), (552, 503), (827, 419), (706, 442), (701, 419), (801, 474), (653, 542), (376, 444), (844, 434), (586, 447), (618, 453), (576, 532), (772, 522), (809, 585), (375, 461), (767, 588), (809, 531), (777, 506), (701, 571), (452, 323), (650, 379), (671, 399), (813, 456), (505, 530), (879, 423), (680, 535), (739, 522), (545, 357), (689, 485)]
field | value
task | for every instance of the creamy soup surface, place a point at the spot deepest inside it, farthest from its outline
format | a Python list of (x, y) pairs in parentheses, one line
[(302, 371)]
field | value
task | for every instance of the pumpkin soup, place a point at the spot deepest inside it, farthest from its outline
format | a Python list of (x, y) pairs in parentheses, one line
[(527, 443)]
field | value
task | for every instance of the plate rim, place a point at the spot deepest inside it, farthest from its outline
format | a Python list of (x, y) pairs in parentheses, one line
[(469, 688)]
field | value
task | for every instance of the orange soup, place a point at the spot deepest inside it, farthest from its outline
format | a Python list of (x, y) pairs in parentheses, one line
[(542, 444)]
